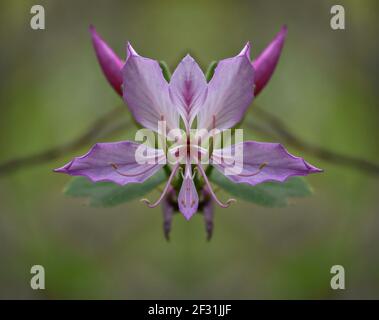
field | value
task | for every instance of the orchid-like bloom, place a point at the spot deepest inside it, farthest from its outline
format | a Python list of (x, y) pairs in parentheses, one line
[(188, 101)]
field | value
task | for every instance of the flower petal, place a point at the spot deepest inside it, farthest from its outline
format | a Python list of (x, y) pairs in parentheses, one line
[(146, 92), (264, 65), (188, 87), (230, 92), (188, 199), (260, 162), (110, 63), (115, 162)]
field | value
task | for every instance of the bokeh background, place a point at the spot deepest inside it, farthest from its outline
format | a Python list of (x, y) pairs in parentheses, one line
[(325, 89)]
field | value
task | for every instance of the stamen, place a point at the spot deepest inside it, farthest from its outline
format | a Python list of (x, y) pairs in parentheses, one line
[(115, 167), (166, 188), (256, 172), (198, 146), (221, 204), (194, 173), (181, 172), (214, 121)]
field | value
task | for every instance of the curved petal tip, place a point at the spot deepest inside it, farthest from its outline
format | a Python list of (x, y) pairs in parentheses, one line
[(246, 50), (110, 63), (312, 168), (267, 60), (130, 51), (60, 170), (188, 199), (284, 30)]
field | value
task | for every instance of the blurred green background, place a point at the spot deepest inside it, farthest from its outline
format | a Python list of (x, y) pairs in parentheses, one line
[(325, 89)]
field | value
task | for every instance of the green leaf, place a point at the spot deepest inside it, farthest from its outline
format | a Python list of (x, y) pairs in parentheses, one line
[(165, 70), (108, 194), (210, 71), (268, 194)]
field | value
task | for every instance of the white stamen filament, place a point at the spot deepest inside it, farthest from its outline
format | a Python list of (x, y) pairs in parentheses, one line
[(115, 167), (221, 204), (181, 172), (254, 173), (166, 188), (193, 173)]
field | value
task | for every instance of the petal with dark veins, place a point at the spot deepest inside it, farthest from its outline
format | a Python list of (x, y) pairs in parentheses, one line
[(146, 92), (114, 162), (229, 93), (188, 199), (188, 88), (259, 162)]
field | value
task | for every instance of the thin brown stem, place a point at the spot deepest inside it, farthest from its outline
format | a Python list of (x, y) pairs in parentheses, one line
[(95, 131), (271, 126), (279, 130)]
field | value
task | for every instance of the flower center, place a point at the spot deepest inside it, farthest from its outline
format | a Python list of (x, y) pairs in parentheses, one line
[(187, 153)]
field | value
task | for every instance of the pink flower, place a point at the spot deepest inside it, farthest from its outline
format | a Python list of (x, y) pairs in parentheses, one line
[(189, 99)]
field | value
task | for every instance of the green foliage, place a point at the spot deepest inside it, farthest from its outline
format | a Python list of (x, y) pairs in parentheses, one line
[(165, 70), (108, 194), (268, 194), (210, 71)]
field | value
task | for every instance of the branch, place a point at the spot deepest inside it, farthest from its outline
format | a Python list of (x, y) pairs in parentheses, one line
[(101, 128), (95, 131), (282, 132)]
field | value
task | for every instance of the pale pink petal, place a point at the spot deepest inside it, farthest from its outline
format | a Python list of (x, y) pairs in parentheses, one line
[(188, 87), (257, 162), (188, 199), (115, 162), (146, 92), (230, 92)]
